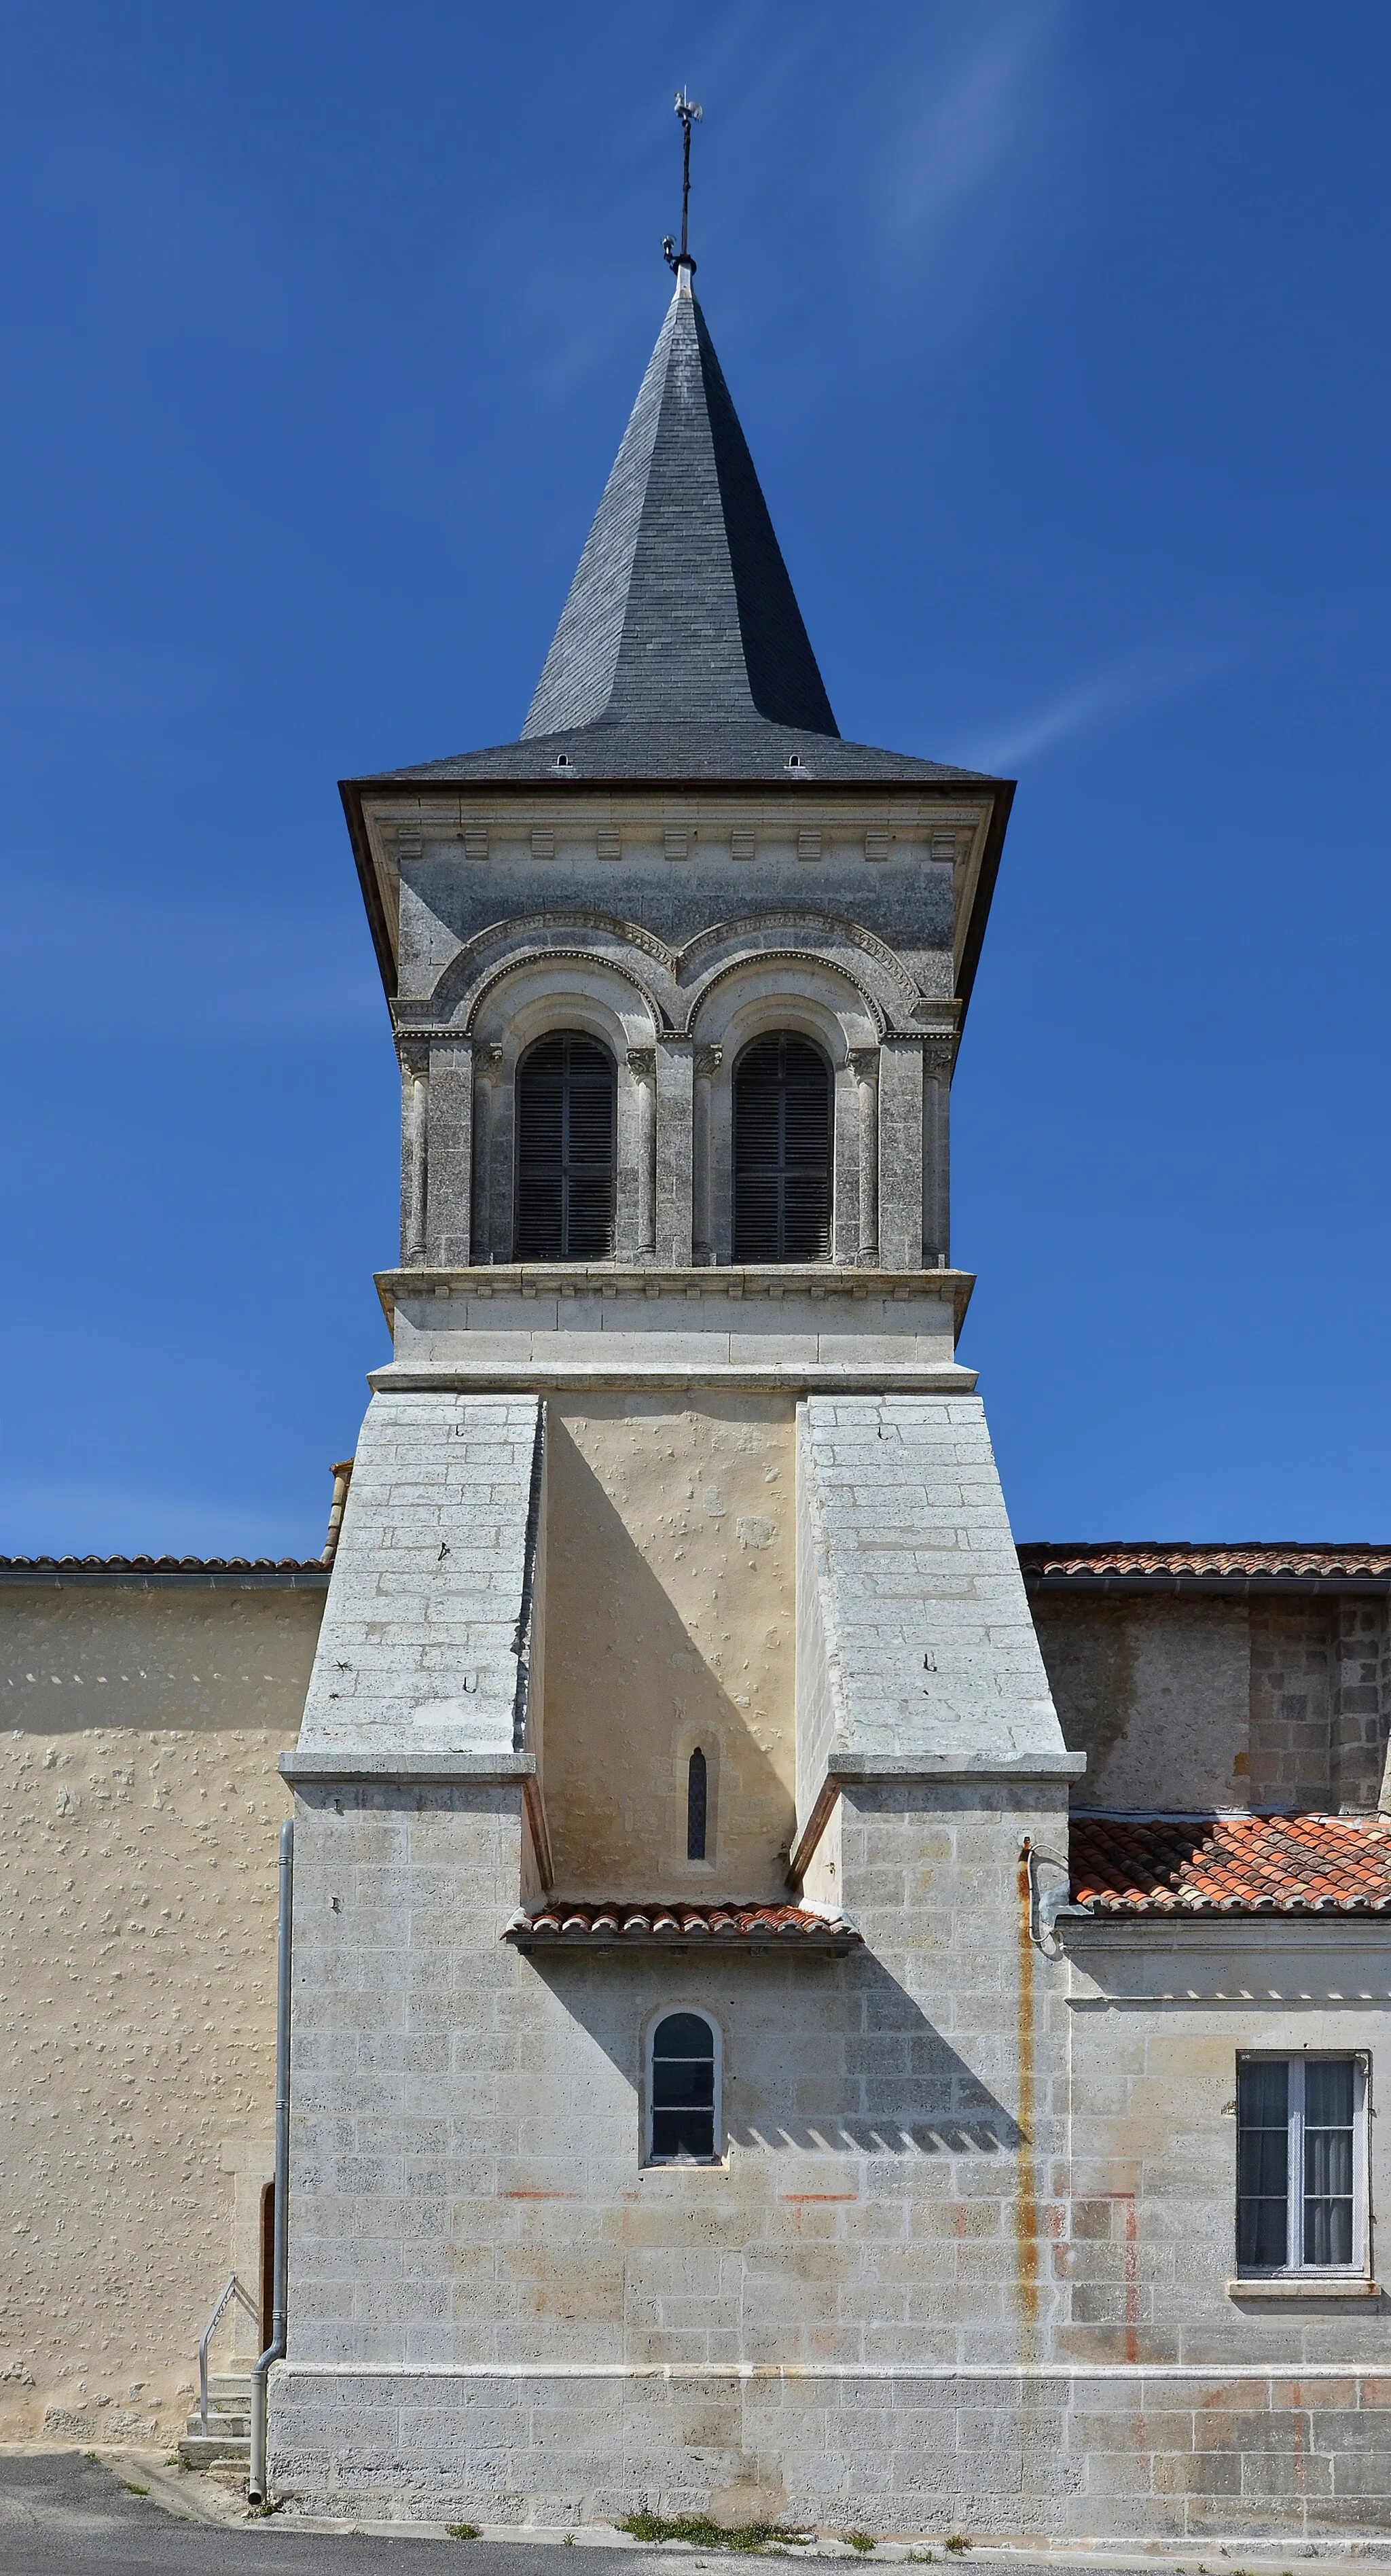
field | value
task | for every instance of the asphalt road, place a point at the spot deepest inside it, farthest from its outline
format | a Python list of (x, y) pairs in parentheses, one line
[(63, 2515)]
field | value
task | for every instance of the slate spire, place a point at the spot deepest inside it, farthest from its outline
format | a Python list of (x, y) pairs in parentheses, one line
[(681, 609)]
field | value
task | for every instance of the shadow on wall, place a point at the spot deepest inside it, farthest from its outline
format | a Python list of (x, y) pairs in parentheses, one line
[(646, 1592), (826, 2056)]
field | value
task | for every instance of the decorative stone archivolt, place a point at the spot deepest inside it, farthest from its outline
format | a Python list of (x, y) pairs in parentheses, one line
[(674, 981), (574, 936), (866, 960), (796, 974)]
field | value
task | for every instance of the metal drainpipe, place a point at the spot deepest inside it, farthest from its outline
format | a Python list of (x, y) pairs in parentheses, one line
[(275, 2349)]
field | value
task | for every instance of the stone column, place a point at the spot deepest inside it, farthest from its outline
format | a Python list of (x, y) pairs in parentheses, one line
[(675, 1123), (487, 1064), (448, 1153), (845, 1176), (937, 1065), (642, 1064), (901, 1150), (708, 1060), (415, 1102), (866, 1063)]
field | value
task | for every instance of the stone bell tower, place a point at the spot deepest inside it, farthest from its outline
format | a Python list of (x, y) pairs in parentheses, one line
[(678, 1753)]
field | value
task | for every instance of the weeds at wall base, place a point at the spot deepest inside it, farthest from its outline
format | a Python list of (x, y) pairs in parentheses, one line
[(704, 2534)]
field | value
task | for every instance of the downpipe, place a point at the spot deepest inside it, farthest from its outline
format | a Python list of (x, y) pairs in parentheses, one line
[(275, 2349)]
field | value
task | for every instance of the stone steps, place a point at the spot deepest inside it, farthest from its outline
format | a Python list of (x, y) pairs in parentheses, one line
[(228, 2436)]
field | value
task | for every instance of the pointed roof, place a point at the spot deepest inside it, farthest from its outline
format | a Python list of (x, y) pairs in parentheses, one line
[(680, 654), (681, 606)]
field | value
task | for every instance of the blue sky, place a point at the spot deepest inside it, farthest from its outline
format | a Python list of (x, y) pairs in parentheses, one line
[(1059, 334)]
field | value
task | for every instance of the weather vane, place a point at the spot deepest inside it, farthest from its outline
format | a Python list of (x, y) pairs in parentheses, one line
[(688, 109)]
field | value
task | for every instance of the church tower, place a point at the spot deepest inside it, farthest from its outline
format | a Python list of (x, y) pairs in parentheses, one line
[(679, 1783)]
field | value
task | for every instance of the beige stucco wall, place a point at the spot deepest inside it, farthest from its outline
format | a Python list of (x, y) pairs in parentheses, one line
[(670, 1623), (139, 1816)]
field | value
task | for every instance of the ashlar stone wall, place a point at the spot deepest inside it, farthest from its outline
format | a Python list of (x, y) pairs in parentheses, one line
[(1187, 1701)]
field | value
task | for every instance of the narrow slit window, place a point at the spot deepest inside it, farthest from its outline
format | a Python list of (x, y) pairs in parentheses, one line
[(782, 1151), (1300, 2164), (683, 2108), (566, 1100), (697, 1805)]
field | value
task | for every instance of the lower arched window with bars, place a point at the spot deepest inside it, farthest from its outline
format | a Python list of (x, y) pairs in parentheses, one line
[(782, 1151), (566, 1101)]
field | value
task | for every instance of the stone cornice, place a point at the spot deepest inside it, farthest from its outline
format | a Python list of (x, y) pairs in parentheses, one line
[(732, 1281)]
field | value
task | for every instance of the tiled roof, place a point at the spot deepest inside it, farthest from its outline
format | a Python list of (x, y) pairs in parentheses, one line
[(188, 1565), (654, 1921), (1183, 1865), (1272, 1558)]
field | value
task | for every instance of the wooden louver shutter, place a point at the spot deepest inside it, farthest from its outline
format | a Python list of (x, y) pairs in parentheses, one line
[(782, 1152), (565, 1151)]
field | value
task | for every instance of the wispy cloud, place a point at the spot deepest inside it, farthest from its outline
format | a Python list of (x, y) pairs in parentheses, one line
[(1092, 707), (964, 111)]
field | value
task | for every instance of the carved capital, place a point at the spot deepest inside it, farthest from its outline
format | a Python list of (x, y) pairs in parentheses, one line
[(487, 1061), (938, 1055), (865, 1062), (642, 1062), (415, 1057), (708, 1060)]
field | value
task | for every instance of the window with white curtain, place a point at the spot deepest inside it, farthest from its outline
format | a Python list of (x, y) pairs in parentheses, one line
[(1301, 2164)]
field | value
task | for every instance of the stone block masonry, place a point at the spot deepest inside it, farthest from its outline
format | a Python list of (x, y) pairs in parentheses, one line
[(930, 1647), (423, 1638)]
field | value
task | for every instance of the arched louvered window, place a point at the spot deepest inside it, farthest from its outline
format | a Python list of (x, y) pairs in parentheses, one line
[(782, 1151), (565, 1150)]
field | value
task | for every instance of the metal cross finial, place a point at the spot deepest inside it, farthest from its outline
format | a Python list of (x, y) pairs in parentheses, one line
[(688, 110)]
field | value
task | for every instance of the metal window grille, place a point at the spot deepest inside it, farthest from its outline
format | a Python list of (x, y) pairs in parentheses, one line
[(782, 1151), (566, 1094)]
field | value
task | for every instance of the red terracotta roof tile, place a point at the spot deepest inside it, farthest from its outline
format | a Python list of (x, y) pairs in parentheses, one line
[(1271, 1558), (121, 1565), (1184, 1865), (652, 1920)]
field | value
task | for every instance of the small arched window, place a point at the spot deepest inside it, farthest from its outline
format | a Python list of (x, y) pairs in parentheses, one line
[(697, 1805), (566, 1094), (683, 2106), (782, 1151)]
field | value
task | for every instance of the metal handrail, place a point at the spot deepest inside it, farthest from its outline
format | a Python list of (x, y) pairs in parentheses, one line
[(231, 2290)]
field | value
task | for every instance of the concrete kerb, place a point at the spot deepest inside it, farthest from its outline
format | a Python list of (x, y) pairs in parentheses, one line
[(190, 2496)]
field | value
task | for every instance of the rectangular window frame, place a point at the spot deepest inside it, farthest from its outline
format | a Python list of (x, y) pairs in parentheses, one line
[(1294, 2268)]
